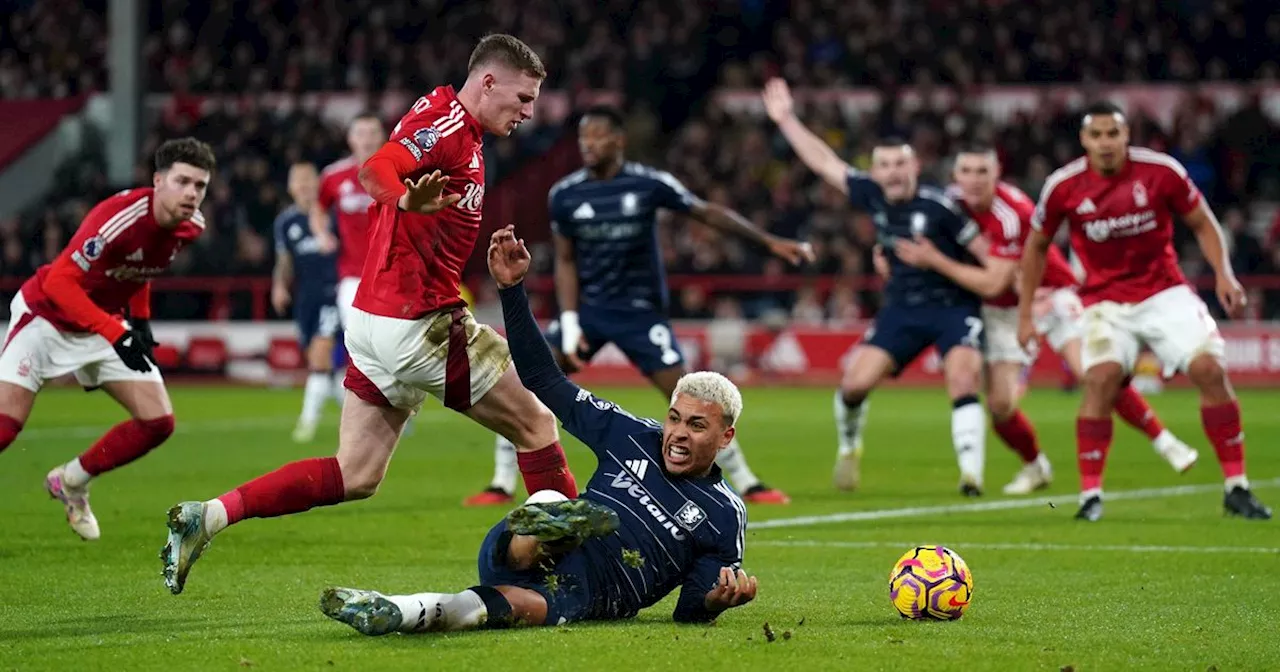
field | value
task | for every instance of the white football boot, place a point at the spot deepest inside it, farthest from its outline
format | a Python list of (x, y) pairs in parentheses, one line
[(1179, 455), (188, 539), (848, 471), (76, 502), (1034, 475), (368, 611)]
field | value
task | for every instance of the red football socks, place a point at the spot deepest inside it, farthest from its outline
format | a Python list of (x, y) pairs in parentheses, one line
[(293, 488), (547, 469), (1134, 409), (125, 443), (1093, 441), (1018, 433), (9, 430), (1222, 426)]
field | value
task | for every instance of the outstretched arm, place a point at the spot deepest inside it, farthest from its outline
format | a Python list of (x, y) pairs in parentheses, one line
[(730, 221), (1208, 233), (594, 421), (813, 151)]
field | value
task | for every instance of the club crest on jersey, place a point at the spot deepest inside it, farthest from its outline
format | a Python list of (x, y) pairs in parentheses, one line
[(690, 515), (918, 223), (427, 137), (1139, 195), (630, 203), (92, 248)]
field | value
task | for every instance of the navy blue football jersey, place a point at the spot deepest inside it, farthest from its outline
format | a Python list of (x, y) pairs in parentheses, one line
[(613, 226), (314, 272), (675, 532), (931, 214)]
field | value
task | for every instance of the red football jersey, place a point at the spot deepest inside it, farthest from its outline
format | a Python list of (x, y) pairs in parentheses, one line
[(119, 247), (1006, 226), (340, 188), (415, 261), (1121, 225)]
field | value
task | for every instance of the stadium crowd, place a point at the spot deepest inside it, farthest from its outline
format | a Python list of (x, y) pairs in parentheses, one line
[(254, 46)]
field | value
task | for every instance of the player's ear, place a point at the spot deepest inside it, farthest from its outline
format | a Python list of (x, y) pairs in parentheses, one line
[(725, 440), (157, 178)]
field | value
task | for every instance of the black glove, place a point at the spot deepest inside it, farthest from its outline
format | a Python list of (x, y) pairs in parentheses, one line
[(133, 352), (143, 328)]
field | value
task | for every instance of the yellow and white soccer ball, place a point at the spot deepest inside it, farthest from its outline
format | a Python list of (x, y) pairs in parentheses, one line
[(931, 583)]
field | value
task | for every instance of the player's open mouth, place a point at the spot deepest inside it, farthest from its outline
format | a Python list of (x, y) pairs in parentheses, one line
[(677, 455)]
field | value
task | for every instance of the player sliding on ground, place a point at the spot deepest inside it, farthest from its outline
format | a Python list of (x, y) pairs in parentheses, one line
[(88, 313), (410, 334), (677, 523), (921, 307), (611, 282), (1118, 203), (1004, 214)]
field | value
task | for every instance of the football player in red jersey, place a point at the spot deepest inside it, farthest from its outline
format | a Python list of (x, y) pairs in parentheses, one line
[(1004, 213), (88, 313), (342, 193), (410, 334), (1119, 204)]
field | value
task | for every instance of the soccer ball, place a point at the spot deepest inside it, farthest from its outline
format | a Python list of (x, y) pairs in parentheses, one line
[(546, 497), (931, 582)]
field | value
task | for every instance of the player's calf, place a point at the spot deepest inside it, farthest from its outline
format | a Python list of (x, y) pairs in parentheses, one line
[(15, 407), (1101, 384), (10, 428), (869, 366), (511, 410), (962, 368)]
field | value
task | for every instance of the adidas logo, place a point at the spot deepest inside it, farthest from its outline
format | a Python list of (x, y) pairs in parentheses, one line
[(1086, 207), (584, 211), (785, 355), (135, 256), (638, 467), (475, 161)]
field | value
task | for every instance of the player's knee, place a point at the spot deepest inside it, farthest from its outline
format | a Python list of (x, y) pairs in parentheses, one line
[(964, 382), (528, 607), (10, 427), (1001, 405), (1207, 373), (523, 553), (1102, 383)]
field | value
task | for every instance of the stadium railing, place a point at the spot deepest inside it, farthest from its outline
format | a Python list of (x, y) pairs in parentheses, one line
[(262, 350)]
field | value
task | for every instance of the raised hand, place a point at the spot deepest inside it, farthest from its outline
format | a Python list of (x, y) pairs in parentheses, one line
[(778, 103), (426, 195), (508, 257)]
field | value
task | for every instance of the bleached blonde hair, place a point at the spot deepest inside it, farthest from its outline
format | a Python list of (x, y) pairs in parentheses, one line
[(714, 388)]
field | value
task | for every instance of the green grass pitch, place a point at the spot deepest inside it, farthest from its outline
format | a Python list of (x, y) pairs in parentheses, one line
[(1162, 582)]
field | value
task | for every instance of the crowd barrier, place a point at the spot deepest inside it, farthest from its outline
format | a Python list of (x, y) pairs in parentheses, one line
[(267, 353)]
